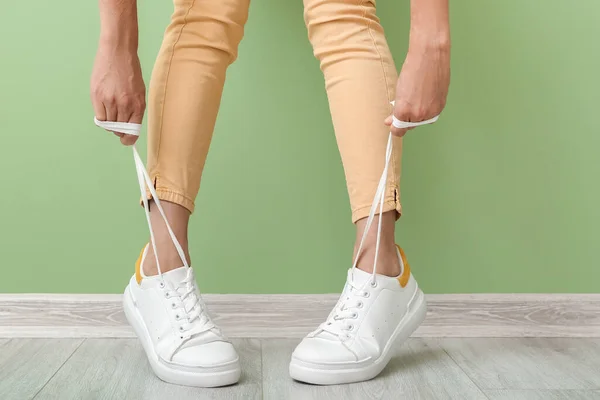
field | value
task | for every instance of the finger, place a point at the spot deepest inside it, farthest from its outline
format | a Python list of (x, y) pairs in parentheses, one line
[(129, 140), (414, 114), (401, 131), (131, 110), (111, 110), (99, 111), (137, 117), (119, 134), (398, 132), (125, 107), (139, 107), (123, 114), (395, 131), (402, 113)]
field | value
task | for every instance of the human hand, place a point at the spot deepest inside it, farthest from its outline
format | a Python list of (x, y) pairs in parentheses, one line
[(117, 87), (422, 87)]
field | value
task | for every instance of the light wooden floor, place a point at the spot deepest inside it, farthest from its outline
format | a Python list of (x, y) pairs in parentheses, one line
[(497, 369)]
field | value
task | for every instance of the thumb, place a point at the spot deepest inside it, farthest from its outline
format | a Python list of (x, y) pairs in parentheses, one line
[(395, 131), (129, 140)]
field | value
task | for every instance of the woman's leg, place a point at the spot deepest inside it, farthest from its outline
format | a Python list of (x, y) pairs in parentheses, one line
[(360, 78), (185, 94), (375, 311), (182, 343)]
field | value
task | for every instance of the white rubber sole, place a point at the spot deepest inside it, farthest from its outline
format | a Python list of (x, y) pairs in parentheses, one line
[(329, 376), (220, 376)]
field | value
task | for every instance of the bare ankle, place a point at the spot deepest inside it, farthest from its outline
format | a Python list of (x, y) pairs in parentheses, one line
[(167, 256), (387, 262)]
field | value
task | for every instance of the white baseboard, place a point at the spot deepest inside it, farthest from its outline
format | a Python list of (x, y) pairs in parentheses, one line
[(292, 316)]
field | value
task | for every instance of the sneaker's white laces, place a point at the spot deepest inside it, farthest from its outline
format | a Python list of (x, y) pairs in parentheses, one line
[(339, 322), (189, 308)]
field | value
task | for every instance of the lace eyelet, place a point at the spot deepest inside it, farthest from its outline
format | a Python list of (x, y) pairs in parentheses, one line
[(360, 304), (177, 317), (173, 305), (350, 327), (161, 285), (355, 315), (180, 337), (181, 329), (373, 284), (367, 295)]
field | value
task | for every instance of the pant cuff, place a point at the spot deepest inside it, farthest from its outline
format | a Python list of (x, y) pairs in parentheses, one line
[(391, 202), (170, 195)]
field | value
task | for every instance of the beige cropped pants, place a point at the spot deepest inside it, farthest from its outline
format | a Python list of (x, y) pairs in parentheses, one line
[(187, 82)]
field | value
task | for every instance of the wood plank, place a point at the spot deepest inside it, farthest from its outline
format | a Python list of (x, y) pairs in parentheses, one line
[(513, 315), (531, 363), (543, 394), (118, 369), (419, 370), (27, 364), (72, 332), (292, 316)]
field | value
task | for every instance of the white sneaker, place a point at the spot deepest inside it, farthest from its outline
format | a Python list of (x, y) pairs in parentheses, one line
[(183, 345), (166, 312), (355, 343), (373, 312)]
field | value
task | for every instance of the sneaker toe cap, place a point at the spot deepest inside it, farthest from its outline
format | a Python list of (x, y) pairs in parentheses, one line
[(322, 351), (213, 354)]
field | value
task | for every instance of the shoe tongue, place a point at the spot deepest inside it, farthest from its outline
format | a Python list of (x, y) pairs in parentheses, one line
[(175, 277), (359, 277)]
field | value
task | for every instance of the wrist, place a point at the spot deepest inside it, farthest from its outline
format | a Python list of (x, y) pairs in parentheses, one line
[(119, 40), (120, 33), (429, 41)]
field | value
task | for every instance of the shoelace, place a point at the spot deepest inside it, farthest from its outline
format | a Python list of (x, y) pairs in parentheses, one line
[(339, 322), (350, 302), (192, 307)]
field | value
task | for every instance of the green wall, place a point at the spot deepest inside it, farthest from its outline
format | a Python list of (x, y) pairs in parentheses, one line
[(502, 195)]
